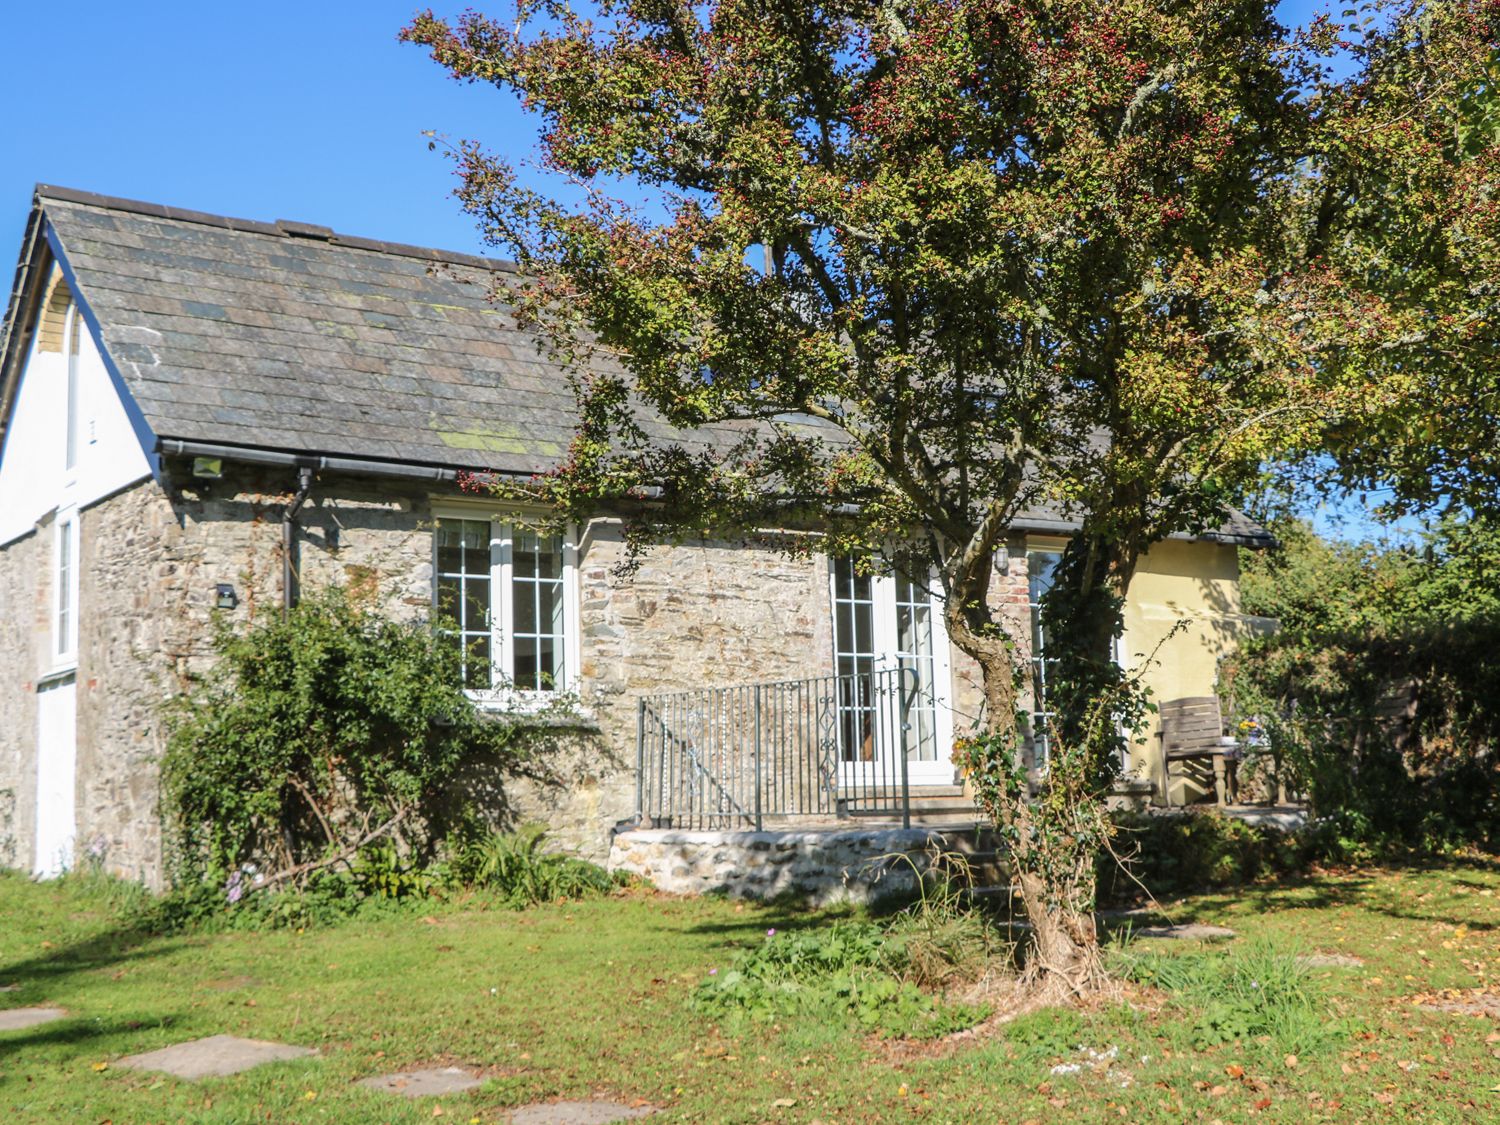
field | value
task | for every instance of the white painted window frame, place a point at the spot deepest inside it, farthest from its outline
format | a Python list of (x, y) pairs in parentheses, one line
[(503, 527), (66, 532), (885, 642)]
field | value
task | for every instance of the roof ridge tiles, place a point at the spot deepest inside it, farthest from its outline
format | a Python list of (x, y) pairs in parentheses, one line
[(281, 228)]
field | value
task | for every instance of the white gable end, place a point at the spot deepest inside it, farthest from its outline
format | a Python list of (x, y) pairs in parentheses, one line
[(35, 477)]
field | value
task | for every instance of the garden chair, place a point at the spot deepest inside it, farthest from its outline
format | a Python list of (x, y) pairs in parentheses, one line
[(1192, 729)]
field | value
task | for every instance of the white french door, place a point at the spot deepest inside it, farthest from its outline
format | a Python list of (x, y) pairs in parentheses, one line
[(56, 776), (889, 634)]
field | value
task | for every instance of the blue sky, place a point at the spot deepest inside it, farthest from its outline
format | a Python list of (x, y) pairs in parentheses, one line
[(265, 110)]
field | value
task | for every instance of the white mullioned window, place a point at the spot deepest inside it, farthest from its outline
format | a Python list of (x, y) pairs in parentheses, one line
[(508, 596), (65, 590)]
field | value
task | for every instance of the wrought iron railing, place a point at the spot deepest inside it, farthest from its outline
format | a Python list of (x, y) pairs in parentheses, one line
[(737, 757)]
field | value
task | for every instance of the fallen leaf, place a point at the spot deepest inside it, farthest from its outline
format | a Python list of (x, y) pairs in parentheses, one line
[(101, 1066), (1263, 1104), (784, 1103), (1234, 1071), (1218, 1091)]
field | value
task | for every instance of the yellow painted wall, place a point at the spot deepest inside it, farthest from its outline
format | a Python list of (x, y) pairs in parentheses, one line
[(1197, 584)]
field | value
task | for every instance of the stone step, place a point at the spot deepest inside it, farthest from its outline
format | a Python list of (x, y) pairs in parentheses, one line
[(944, 803)]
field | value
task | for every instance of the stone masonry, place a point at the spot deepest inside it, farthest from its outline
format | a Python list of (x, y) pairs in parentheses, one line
[(696, 615), (822, 867)]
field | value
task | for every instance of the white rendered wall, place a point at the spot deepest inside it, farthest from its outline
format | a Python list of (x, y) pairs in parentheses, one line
[(33, 477)]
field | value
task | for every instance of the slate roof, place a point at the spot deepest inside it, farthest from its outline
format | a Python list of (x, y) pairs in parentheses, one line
[(290, 337)]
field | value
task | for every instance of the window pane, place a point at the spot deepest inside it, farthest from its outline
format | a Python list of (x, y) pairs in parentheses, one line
[(525, 607), (66, 533), (549, 668), (477, 661), (476, 605), (549, 601), (449, 593), (549, 557), (526, 664)]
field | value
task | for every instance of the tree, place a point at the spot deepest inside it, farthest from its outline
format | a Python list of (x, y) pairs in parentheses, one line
[(899, 268), (1407, 229)]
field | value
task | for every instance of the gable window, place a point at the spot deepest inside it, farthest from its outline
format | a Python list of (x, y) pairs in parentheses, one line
[(505, 594), (65, 590), (72, 341)]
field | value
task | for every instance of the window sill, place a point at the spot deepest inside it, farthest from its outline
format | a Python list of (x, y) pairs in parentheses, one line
[(535, 709)]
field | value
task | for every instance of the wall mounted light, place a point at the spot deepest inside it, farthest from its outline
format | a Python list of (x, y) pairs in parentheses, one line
[(225, 597), (1002, 559), (208, 468)]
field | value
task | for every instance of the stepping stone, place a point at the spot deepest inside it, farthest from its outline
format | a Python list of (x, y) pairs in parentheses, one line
[(14, 1019), (214, 1057), (578, 1113), (429, 1083), (1329, 961), (1191, 931)]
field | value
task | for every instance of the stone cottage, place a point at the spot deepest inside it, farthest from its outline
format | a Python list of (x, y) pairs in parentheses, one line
[(199, 414)]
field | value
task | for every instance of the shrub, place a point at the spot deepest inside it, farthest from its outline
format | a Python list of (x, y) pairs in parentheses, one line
[(1196, 851), (514, 865), (1378, 691), (319, 740)]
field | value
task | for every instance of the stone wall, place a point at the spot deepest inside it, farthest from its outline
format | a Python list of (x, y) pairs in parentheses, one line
[(821, 867), (692, 615), (25, 632), (152, 558)]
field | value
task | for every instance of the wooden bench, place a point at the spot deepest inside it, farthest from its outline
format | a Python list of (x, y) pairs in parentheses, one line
[(1192, 729)]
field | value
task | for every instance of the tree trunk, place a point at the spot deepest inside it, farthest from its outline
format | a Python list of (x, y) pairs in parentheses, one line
[(1050, 842)]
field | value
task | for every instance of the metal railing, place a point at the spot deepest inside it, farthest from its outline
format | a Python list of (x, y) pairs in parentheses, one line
[(735, 757)]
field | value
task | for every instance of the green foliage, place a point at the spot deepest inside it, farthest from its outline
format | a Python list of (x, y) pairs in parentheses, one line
[(847, 971), (515, 866), (324, 737), (1045, 1034), (900, 271), (1167, 854), (1379, 690), (1257, 994)]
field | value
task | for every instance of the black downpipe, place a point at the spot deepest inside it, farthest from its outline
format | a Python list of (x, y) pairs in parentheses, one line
[(289, 581)]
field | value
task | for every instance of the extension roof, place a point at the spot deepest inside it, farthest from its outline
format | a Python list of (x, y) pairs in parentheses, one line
[(289, 337)]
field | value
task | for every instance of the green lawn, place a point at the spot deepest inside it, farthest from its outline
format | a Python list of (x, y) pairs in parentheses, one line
[(592, 998)]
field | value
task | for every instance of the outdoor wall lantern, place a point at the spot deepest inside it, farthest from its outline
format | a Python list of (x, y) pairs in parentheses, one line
[(224, 596), (1002, 560), (208, 468)]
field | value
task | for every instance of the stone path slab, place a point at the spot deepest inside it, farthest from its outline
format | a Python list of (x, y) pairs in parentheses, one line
[(429, 1083), (1329, 961), (1191, 931), (14, 1019), (214, 1057), (578, 1113)]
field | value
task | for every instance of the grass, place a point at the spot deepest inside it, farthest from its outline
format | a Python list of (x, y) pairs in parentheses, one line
[(595, 997)]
